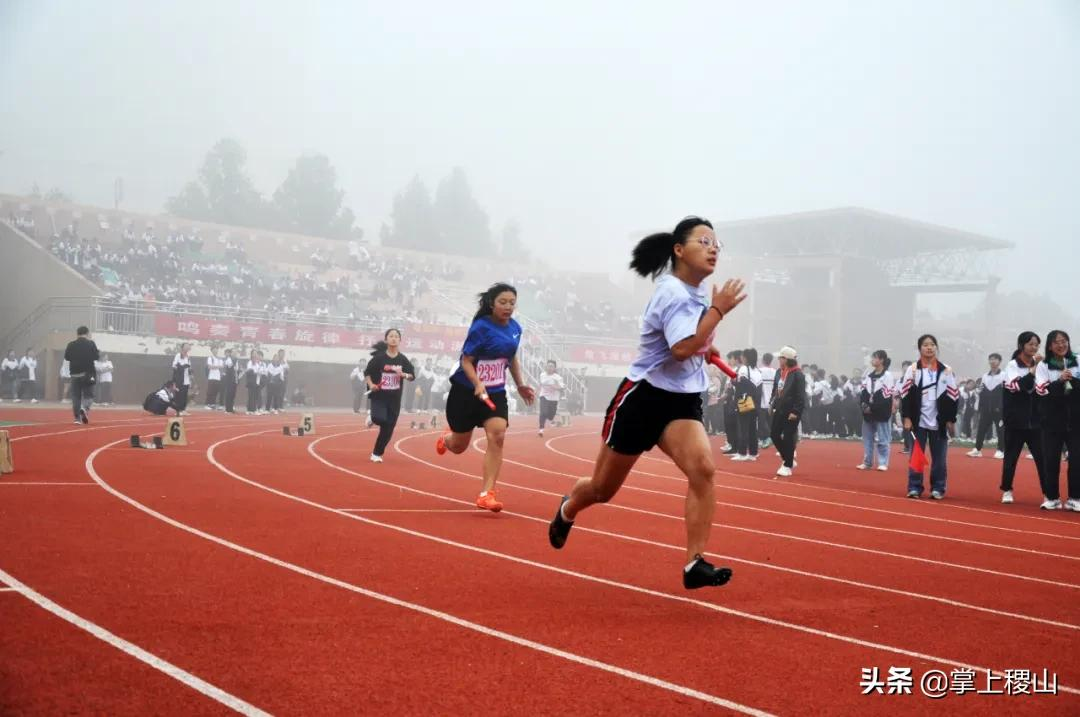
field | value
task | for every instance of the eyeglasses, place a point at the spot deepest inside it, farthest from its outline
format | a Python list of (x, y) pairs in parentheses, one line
[(710, 243)]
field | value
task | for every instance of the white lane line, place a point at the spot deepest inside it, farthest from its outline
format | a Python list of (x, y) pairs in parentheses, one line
[(8, 590), (752, 531), (104, 427), (677, 548), (15, 482), (931, 505), (408, 510), (801, 516), (184, 677), (584, 576), (446, 617)]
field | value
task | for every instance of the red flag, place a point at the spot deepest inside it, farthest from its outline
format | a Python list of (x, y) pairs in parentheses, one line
[(918, 461)]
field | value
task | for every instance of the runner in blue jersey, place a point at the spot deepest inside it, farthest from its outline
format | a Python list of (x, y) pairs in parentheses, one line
[(490, 350), (659, 402)]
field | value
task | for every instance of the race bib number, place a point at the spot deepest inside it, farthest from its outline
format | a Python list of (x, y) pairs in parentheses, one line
[(492, 372), (390, 381)]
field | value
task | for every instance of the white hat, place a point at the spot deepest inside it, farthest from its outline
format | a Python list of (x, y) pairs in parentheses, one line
[(787, 353)]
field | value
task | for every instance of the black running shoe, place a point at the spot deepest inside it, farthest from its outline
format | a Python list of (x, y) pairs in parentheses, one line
[(559, 528), (704, 574), (82, 416)]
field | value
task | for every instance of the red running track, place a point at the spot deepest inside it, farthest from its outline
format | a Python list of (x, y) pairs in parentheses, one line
[(256, 572)]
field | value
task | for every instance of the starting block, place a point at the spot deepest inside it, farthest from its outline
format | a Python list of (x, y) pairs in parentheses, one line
[(175, 435), (136, 442), (285, 430), (7, 462)]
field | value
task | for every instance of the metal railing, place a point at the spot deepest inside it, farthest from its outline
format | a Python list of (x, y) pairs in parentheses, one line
[(533, 354)]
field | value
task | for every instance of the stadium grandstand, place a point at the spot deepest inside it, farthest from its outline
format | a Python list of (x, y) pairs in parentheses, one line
[(143, 283)]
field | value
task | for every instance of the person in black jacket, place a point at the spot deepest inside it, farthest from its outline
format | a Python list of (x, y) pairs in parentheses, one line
[(990, 391), (385, 374), (928, 400), (1057, 382), (1020, 416), (787, 403), (81, 355)]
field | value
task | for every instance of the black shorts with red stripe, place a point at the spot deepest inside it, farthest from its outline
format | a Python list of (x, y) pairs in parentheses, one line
[(639, 413)]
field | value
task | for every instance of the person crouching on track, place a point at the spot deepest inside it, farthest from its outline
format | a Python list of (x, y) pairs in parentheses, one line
[(384, 375), (659, 402), (490, 349), (159, 402)]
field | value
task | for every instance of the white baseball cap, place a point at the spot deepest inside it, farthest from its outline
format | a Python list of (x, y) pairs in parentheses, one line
[(787, 353)]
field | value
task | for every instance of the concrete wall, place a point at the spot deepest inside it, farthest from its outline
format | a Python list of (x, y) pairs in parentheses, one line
[(29, 275)]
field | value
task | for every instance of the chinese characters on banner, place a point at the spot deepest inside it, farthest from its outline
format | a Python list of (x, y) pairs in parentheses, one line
[(423, 338), (601, 354)]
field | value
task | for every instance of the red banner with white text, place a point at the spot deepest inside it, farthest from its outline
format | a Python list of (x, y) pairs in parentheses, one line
[(423, 338)]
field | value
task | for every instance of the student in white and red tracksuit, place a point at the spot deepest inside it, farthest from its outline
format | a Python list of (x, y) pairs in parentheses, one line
[(928, 403), (385, 374), (876, 402), (659, 401), (1057, 381), (1020, 415)]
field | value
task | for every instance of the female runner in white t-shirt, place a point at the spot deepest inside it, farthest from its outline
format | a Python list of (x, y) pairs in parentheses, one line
[(659, 402)]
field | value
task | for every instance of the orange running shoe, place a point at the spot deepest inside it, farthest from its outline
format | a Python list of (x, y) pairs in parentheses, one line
[(487, 501), (440, 444)]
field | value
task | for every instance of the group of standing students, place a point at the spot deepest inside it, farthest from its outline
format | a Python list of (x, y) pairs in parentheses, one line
[(1041, 410)]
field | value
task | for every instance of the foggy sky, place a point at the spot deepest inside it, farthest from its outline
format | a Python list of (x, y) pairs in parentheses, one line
[(583, 123)]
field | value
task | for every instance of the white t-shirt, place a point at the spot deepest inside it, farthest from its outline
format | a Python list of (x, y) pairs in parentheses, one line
[(768, 377), (184, 361), (551, 386), (672, 315), (9, 364), (214, 366), (357, 374), (30, 364), (104, 371)]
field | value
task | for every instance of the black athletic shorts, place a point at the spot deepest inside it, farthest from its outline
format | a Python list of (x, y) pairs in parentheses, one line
[(639, 413), (464, 411)]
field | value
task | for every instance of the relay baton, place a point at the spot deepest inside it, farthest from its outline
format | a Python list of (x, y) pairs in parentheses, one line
[(487, 399), (721, 364)]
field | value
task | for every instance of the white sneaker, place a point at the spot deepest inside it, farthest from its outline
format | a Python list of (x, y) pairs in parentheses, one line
[(208, 407), (1051, 505), (1007, 497), (862, 467), (974, 453), (934, 495), (375, 458), (783, 472), (17, 400), (33, 400), (750, 459), (738, 457), (883, 468), (540, 432), (1073, 504), (725, 447), (999, 454)]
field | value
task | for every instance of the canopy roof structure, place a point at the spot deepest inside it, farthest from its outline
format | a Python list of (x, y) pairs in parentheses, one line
[(848, 232)]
